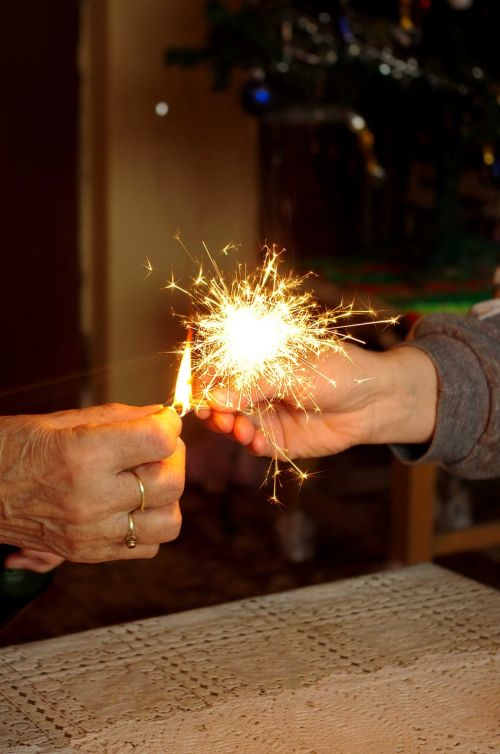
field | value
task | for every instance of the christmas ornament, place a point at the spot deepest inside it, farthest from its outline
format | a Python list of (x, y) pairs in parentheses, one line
[(257, 97)]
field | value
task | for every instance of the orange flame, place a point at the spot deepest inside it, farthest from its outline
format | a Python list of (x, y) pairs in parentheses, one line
[(183, 386)]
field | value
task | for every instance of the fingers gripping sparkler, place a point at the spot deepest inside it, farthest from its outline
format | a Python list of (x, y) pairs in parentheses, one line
[(258, 336)]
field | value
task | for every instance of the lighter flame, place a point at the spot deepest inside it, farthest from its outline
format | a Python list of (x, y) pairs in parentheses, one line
[(183, 386)]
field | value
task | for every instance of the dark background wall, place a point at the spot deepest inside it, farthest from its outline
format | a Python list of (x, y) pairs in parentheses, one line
[(39, 271)]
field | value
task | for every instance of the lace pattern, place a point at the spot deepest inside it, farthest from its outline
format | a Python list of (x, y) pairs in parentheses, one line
[(402, 662)]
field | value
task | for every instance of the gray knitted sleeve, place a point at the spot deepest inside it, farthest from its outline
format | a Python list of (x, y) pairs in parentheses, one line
[(466, 353)]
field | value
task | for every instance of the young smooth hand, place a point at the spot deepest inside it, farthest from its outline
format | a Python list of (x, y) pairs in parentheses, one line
[(359, 397), (67, 487)]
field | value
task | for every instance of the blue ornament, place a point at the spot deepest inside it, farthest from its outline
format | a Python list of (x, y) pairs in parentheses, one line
[(257, 97)]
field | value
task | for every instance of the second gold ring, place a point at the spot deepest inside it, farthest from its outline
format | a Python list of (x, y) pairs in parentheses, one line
[(131, 539)]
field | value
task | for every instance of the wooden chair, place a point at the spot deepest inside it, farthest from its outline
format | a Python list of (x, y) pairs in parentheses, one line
[(414, 539)]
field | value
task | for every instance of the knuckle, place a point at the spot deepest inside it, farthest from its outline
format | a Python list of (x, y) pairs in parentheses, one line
[(176, 486), (180, 486), (175, 481), (161, 444), (165, 440), (172, 489), (177, 525), (173, 523)]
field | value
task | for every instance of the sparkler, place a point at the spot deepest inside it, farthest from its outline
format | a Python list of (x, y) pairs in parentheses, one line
[(258, 336)]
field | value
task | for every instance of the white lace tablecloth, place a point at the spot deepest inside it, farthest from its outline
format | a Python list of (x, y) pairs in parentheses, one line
[(396, 663)]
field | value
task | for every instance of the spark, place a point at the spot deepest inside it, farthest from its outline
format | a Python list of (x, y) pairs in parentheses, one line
[(257, 336), (148, 267), (172, 285)]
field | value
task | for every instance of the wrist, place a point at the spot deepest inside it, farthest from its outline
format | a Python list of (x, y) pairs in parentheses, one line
[(403, 403)]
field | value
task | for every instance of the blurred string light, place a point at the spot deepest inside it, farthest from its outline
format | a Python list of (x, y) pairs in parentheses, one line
[(405, 19), (323, 49), (162, 109), (460, 4), (312, 61), (323, 40), (366, 140), (488, 156), (491, 163)]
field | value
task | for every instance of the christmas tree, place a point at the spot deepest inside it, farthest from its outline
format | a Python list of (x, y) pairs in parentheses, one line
[(416, 83)]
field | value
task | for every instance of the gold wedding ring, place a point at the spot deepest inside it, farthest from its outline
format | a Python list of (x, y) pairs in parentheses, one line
[(131, 539), (142, 504)]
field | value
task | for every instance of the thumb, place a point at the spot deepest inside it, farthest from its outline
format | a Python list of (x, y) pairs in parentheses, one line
[(108, 413), (227, 400), (133, 442)]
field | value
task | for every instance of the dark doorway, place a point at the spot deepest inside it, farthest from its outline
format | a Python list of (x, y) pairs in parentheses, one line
[(41, 343)]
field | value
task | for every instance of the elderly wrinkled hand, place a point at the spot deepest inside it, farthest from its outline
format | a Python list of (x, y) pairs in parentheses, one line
[(67, 487)]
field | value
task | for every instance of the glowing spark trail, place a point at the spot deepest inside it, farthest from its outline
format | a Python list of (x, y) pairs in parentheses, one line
[(148, 267), (260, 331)]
